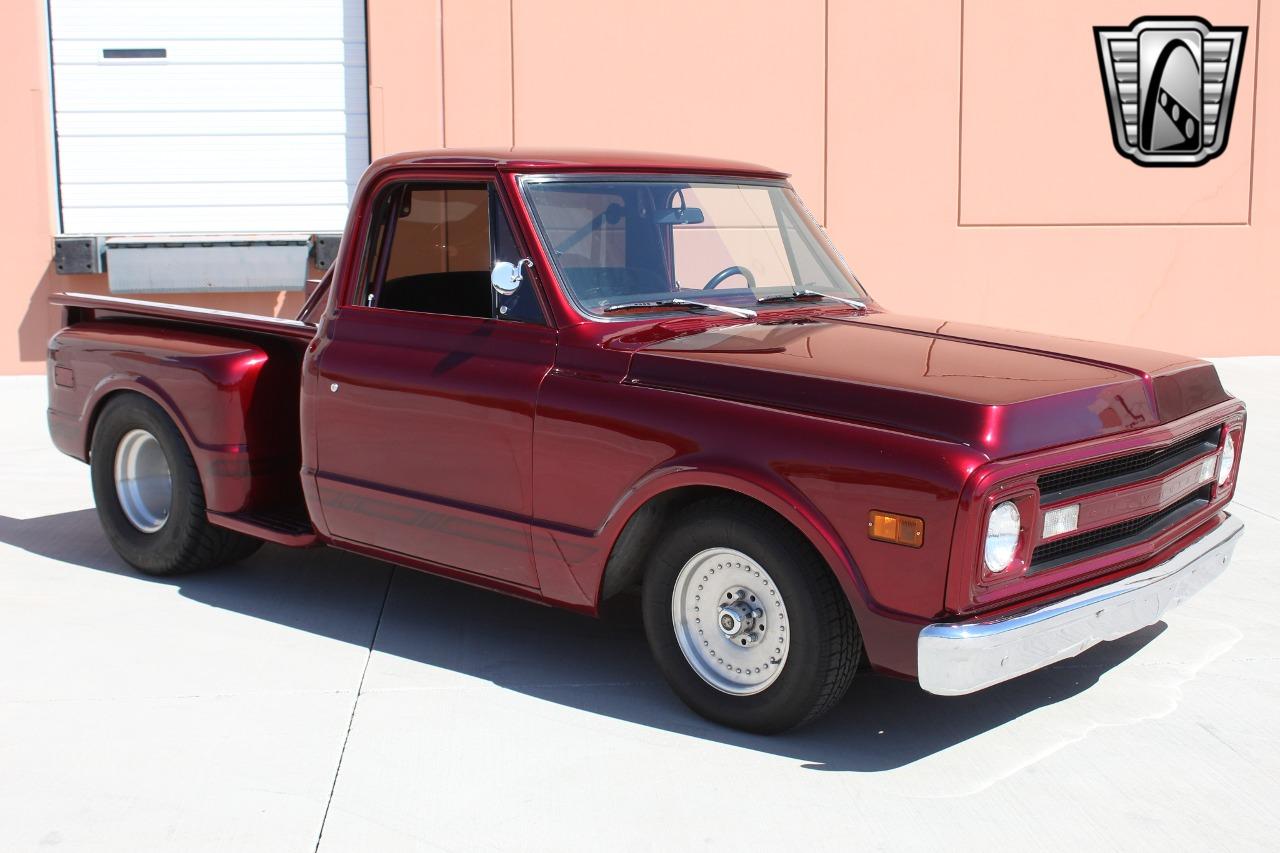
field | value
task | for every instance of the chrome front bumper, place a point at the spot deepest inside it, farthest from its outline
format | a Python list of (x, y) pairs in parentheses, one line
[(961, 657)]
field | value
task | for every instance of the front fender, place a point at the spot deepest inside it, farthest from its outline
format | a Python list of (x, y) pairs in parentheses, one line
[(888, 637), (758, 485), (603, 450)]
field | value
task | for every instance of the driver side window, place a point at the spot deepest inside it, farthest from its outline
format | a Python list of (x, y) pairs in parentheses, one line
[(431, 250)]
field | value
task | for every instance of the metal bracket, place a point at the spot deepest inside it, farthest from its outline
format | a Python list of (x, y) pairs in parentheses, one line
[(77, 255), (324, 249)]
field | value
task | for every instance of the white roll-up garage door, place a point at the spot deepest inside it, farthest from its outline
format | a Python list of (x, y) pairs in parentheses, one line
[(196, 116)]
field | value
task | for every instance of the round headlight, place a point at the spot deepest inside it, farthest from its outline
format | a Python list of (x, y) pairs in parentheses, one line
[(1228, 460), (1002, 537)]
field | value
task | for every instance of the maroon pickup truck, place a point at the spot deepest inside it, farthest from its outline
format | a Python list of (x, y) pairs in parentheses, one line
[(569, 375)]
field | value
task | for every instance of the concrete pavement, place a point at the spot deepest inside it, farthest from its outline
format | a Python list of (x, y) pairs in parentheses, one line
[(310, 700)]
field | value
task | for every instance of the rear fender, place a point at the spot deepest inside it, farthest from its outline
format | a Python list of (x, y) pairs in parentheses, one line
[(234, 414)]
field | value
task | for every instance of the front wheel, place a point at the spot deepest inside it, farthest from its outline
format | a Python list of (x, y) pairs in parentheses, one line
[(149, 496), (745, 619)]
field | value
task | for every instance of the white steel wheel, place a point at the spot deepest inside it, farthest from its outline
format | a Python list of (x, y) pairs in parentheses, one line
[(143, 482), (730, 621)]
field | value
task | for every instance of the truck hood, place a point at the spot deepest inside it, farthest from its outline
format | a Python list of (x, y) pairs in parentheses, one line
[(999, 391)]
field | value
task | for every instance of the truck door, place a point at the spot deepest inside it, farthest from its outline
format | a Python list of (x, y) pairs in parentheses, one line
[(427, 381)]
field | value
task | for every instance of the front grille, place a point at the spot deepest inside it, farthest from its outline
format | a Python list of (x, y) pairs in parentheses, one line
[(1114, 536), (1059, 485)]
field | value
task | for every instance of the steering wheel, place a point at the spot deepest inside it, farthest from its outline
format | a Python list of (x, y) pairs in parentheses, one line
[(730, 272)]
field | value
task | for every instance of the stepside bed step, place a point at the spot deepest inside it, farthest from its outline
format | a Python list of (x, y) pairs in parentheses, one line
[(284, 528)]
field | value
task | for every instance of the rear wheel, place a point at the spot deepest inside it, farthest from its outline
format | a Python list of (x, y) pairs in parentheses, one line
[(746, 620), (149, 496)]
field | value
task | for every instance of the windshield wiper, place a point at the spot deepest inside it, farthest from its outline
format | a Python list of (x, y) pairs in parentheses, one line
[(745, 313), (803, 292)]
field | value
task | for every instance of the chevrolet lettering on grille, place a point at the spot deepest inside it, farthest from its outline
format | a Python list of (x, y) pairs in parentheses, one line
[(1096, 511)]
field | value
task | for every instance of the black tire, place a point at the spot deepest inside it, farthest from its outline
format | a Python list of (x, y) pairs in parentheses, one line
[(825, 642), (186, 542)]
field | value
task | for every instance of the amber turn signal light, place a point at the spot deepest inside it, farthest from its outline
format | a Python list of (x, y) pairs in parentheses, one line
[(898, 529)]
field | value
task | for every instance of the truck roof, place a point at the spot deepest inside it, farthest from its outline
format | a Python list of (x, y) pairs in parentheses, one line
[(573, 160)]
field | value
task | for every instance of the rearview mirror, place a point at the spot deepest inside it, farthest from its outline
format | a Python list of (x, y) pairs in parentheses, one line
[(506, 276), (680, 216)]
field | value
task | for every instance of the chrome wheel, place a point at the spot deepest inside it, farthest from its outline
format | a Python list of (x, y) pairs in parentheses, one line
[(730, 621), (143, 483)]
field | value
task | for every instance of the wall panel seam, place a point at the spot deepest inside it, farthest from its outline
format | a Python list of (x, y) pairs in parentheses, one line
[(960, 129), (444, 127), (511, 43), (826, 109)]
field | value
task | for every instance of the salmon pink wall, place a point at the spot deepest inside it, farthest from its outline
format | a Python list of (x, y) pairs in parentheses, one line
[(958, 152)]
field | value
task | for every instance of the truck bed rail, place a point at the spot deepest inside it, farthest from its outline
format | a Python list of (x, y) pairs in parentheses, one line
[(104, 307)]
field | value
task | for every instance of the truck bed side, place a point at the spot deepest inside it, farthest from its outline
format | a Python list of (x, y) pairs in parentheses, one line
[(230, 382)]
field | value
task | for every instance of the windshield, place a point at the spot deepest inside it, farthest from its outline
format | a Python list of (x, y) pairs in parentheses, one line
[(651, 240)]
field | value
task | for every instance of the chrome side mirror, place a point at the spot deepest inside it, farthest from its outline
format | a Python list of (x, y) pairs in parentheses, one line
[(506, 276)]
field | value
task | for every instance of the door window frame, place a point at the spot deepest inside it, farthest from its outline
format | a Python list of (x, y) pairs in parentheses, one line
[(366, 222)]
